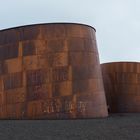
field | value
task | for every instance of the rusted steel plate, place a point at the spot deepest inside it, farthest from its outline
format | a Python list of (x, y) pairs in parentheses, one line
[(62, 88), (48, 70), (3, 114), (34, 109), (16, 95), (17, 63), (16, 111), (12, 80)]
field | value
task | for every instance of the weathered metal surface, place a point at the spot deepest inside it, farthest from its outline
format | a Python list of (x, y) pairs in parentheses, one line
[(122, 86), (50, 71)]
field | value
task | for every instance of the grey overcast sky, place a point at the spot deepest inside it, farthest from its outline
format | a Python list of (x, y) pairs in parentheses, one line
[(117, 21)]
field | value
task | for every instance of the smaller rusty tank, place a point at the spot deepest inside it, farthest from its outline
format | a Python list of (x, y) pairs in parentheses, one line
[(122, 86)]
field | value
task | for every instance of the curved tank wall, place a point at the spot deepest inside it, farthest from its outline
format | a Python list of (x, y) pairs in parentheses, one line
[(122, 86), (50, 71)]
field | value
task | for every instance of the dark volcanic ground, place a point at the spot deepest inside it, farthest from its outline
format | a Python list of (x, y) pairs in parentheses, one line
[(115, 127)]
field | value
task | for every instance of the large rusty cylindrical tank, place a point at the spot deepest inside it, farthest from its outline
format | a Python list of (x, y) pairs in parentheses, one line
[(122, 86), (50, 71)]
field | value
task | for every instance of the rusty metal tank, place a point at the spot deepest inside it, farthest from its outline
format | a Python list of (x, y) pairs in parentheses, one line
[(50, 71), (122, 86)]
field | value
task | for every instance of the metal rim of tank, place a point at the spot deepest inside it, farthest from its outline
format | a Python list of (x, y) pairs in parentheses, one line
[(53, 23), (121, 62)]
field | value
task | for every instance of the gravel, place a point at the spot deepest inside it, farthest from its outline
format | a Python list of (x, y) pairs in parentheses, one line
[(115, 127)]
